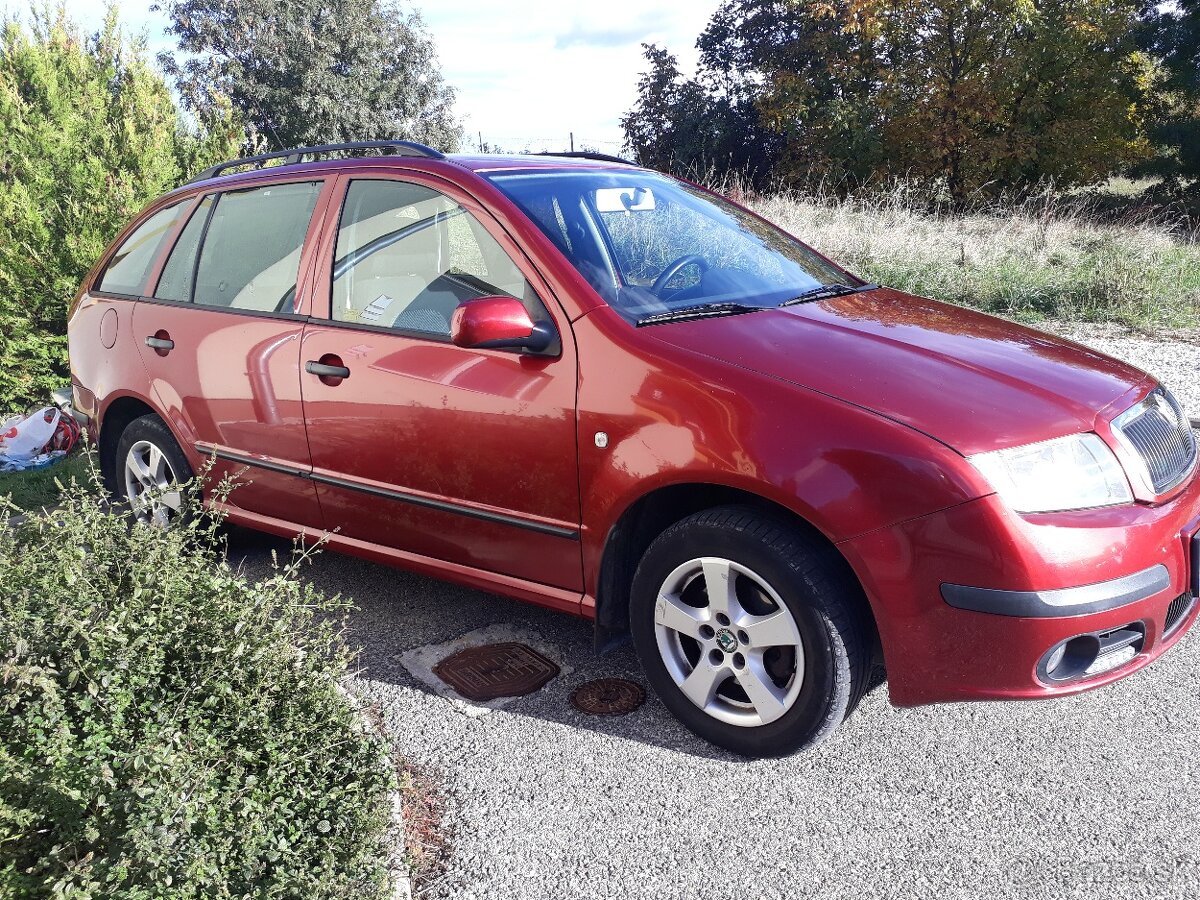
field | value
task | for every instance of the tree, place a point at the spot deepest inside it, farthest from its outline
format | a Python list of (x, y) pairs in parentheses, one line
[(978, 96), (1021, 92), (1171, 32), (88, 134), (313, 71), (693, 128), (810, 72), (666, 127)]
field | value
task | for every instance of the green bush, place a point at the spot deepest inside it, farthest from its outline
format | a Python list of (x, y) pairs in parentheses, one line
[(172, 728), (89, 134)]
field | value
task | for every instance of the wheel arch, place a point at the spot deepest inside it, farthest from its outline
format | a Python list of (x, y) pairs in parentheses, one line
[(655, 511), (118, 413)]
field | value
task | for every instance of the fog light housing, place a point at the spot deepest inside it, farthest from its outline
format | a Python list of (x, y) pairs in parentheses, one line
[(1069, 659), (1089, 655)]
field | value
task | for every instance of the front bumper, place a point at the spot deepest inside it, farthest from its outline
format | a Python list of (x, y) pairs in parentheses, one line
[(973, 602)]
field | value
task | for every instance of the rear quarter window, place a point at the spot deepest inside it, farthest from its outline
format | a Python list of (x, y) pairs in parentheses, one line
[(175, 283), (129, 267)]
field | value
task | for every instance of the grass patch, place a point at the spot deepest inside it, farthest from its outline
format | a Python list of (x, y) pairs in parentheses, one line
[(41, 488), (170, 728), (1042, 259), (426, 851), (425, 848)]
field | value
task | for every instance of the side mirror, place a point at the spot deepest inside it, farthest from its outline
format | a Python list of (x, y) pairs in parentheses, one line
[(498, 323)]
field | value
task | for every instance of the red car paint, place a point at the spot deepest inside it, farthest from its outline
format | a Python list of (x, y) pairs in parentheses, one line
[(855, 414), (490, 320)]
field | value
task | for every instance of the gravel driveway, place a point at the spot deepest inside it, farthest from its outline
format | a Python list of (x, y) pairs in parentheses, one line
[(1173, 358), (1093, 796)]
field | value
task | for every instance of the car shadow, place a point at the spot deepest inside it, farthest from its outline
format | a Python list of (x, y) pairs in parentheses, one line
[(397, 611)]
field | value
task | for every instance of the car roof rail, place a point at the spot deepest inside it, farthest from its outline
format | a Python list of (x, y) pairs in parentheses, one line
[(296, 155), (588, 154)]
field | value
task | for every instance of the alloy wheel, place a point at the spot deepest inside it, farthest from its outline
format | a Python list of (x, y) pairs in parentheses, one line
[(729, 641), (150, 484)]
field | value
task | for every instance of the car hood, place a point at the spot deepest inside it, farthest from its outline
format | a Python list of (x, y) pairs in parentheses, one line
[(970, 380)]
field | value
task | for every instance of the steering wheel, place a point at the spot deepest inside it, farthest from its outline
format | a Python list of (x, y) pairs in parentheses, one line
[(675, 268)]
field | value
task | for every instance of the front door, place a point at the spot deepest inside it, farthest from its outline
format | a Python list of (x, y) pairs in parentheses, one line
[(221, 339), (462, 455)]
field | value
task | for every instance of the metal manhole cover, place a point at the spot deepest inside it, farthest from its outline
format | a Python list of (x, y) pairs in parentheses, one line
[(496, 670), (608, 697)]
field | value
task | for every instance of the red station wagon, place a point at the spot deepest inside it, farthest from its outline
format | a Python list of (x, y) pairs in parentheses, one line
[(593, 387)]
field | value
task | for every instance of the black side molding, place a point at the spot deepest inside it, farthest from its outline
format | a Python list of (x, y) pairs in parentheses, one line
[(282, 468), (1061, 602), (470, 512)]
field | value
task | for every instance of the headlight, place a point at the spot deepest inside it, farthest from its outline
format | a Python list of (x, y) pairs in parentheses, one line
[(1074, 472)]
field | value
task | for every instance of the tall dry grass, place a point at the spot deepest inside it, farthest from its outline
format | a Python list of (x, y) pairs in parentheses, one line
[(1044, 257)]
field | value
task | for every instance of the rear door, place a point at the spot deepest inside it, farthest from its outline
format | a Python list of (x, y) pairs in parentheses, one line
[(221, 337), (104, 356), (462, 455)]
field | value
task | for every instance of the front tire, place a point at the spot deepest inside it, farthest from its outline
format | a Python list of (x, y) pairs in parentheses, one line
[(150, 470), (751, 632)]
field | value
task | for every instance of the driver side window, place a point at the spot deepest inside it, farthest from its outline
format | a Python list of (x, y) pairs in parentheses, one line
[(407, 256)]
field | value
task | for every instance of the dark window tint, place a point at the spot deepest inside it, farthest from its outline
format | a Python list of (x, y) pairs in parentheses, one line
[(251, 251), (176, 280), (127, 270), (407, 256)]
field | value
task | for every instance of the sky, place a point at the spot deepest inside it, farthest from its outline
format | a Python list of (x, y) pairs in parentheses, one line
[(528, 72)]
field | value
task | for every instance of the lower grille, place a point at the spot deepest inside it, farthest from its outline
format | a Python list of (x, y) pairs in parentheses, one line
[(1176, 611), (1161, 434)]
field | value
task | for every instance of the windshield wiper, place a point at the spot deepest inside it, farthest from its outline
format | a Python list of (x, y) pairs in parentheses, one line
[(711, 310), (826, 291), (701, 311)]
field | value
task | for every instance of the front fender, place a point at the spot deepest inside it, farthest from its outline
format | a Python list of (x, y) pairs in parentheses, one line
[(669, 417)]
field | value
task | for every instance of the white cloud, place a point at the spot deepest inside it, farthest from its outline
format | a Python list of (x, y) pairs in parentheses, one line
[(528, 72), (531, 72)]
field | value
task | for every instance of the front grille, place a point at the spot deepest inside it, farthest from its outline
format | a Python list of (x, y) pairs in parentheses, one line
[(1160, 433), (1176, 611)]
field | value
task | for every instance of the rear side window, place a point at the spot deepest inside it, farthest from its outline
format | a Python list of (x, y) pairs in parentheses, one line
[(127, 270), (175, 283), (251, 248)]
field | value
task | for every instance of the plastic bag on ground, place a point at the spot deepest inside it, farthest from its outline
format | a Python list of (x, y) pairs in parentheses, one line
[(23, 438)]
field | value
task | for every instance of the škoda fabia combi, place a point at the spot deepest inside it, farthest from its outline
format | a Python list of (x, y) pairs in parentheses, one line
[(596, 388)]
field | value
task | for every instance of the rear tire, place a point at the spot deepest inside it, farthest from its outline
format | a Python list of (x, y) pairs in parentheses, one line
[(754, 634), (149, 469)]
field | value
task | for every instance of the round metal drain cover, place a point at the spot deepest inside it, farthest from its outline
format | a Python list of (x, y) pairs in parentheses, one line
[(608, 697), (496, 670)]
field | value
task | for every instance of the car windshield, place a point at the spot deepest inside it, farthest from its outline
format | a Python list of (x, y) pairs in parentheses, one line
[(651, 245)]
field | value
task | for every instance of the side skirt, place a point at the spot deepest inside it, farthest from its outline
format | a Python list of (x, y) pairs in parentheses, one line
[(505, 585)]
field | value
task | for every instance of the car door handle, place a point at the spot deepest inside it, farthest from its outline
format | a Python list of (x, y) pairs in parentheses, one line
[(324, 370), (160, 344)]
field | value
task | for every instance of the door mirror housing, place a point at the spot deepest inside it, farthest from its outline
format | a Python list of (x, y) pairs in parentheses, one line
[(498, 323)]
